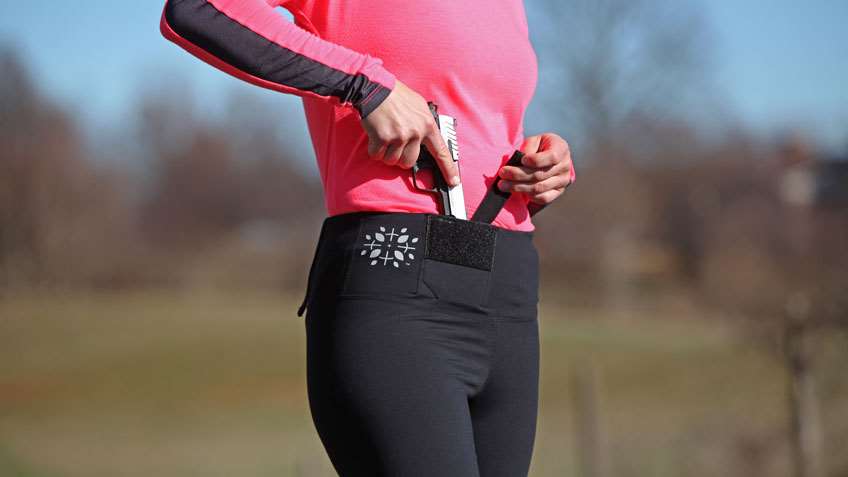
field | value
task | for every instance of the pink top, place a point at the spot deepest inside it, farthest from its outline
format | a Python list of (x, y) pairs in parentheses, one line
[(472, 58)]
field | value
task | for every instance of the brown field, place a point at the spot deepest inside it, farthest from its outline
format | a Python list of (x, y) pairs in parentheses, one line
[(212, 384)]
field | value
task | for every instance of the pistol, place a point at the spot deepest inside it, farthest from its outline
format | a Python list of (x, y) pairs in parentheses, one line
[(451, 199)]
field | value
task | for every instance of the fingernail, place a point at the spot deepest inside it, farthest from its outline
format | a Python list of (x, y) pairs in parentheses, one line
[(454, 181)]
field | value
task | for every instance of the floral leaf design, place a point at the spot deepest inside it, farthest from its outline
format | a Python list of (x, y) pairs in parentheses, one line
[(389, 247)]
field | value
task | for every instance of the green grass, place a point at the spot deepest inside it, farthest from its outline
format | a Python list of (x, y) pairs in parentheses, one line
[(214, 385)]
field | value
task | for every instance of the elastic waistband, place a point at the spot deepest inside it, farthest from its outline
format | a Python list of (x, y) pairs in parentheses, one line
[(438, 237), (403, 239), (337, 224)]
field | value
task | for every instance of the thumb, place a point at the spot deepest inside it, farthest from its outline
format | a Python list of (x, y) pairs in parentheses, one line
[(439, 150), (531, 144)]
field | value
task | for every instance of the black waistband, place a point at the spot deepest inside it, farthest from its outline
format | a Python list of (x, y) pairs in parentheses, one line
[(416, 236)]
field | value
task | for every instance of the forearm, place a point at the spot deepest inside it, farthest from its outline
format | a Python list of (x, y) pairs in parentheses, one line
[(249, 40)]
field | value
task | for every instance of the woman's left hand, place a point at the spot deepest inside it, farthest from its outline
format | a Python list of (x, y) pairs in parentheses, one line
[(545, 172)]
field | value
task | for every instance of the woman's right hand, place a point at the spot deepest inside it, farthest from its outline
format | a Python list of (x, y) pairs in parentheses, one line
[(400, 125)]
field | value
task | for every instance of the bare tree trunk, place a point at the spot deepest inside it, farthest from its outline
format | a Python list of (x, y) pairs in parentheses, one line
[(805, 426), (591, 449)]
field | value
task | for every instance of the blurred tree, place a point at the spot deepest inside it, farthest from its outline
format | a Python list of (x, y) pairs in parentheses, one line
[(779, 267), (629, 85), (226, 186), (613, 63), (209, 178), (59, 215)]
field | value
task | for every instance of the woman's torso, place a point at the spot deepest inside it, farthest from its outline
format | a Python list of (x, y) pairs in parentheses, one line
[(472, 58)]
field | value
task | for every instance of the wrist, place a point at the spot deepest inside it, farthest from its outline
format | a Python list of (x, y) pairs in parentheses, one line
[(375, 95)]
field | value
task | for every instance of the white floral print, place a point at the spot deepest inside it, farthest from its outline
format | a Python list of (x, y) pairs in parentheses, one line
[(391, 247)]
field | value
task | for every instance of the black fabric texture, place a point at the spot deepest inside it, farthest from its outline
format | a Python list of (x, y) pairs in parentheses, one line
[(460, 242), (435, 376), (373, 100), (199, 22)]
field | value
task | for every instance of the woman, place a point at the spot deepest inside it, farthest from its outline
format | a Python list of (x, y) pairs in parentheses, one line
[(422, 330)]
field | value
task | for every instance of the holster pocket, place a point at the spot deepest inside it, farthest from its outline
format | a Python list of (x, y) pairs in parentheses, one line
[(452, 283)]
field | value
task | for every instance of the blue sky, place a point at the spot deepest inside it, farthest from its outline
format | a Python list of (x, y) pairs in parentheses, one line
[(781, 63), (785, 63)]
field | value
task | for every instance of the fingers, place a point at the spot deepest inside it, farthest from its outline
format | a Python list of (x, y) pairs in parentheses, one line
[(546, 197), (410, 154), (376, 148), (391, 147), (558, 181), (400, 149), (552, 150), (437, 147), (531, 144), (546, 158), (528, 174), (540, 159), (393, 153), (399, 126), (544, 173)]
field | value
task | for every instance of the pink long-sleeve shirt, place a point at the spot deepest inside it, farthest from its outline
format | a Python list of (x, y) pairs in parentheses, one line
[(473, 58)]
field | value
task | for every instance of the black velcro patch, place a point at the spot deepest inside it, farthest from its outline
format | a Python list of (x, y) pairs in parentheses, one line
[(461, 242)]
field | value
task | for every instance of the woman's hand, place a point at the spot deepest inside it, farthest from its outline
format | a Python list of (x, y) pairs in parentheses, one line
[(398, 127), (545, 172)]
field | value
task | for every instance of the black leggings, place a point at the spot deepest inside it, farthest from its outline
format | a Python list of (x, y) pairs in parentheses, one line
[(423, 346)]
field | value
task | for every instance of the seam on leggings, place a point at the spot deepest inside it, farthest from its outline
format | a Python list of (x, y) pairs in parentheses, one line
[(420, 279), (493, 356), (314, 269), (349, 256), (498, 358), (440, 356), (489, 320)]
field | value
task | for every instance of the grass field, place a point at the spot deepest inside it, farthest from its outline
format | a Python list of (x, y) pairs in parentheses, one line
[(204, 384)]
